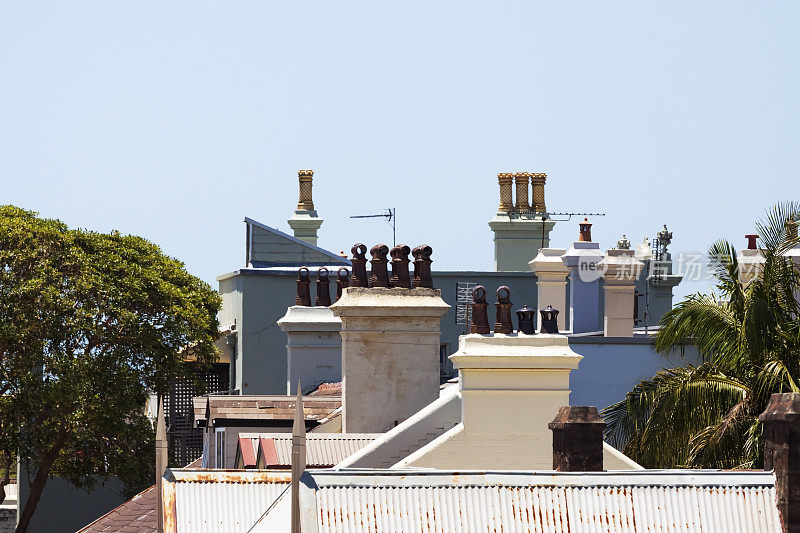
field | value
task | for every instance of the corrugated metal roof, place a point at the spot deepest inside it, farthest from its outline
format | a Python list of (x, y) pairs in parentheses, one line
[(225, 501), (638, 501), (322, 449)]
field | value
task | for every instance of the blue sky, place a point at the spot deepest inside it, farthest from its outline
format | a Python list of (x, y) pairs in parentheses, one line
[(175, 120)]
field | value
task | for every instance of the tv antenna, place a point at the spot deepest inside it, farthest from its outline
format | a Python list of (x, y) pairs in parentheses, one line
[(551, 216), (391, 218)]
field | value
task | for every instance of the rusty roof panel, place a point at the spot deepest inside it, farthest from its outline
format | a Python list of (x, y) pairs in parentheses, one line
[(224, 501), (639, 501)]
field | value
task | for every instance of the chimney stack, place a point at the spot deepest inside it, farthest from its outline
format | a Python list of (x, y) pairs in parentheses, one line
[(383, 383), (520, 229), (620, 271), (305, 222), (551, 280), (751, 261), (581, 260), (781, 422), (577, 439)]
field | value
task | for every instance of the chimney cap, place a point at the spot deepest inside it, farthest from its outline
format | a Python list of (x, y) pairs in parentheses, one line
[(782, 407), (571, 416)]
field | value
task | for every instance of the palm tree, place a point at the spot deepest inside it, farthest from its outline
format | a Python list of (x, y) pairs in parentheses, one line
[(748, 337)]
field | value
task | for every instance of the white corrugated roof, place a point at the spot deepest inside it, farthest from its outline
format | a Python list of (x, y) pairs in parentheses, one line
[(225, 501), (321, 448), (437, 501)]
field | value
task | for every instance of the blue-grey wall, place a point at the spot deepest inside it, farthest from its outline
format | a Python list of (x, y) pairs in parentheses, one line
[(613, 366), (63, 508)]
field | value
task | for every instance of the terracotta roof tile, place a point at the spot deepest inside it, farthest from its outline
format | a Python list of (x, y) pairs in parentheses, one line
[(137, 515)]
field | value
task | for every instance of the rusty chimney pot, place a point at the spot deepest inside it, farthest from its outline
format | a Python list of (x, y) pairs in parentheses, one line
[(577, 439), (585, 231), (781, 422), (503, 322), (480, 318), (303, 288), (306, 177), (342, 281), (751, 241), (400, 276), (323, 288), (506, 195), (380, 272), (522, 179), (422, 266), (359, 263)]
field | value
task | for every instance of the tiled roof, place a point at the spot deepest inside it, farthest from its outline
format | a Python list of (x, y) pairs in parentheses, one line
[(137, 515), (328, 389)]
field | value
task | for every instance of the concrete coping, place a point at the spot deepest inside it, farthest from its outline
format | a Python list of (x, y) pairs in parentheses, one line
[(515, 350), (302, 318), (548, 260), (390, 302)]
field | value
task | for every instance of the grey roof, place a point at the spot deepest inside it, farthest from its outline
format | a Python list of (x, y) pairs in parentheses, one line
[(267, 247), (443, 501)]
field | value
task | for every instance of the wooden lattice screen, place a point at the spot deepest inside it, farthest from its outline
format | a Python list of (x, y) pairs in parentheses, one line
[(186, 442)]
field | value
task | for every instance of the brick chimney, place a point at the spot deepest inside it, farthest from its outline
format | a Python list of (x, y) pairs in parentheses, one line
[(620, 271), (577, 439), (305, 222), (781, 422)]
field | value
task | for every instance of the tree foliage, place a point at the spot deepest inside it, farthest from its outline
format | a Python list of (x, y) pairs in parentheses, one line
[(90, 324), (748, 336)]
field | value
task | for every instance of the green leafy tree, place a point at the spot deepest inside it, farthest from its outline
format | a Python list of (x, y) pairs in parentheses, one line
[(90, 323), (748, 337)]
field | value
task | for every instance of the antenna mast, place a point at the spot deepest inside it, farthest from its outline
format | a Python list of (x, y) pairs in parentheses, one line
[(391, 218)]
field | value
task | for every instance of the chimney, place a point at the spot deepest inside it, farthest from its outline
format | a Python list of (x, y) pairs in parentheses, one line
[(551, 280), (581, 259), (305, 222), (162, 458), (519, 233), (751, 261), (314, 345), (577, 439), (384, 382), (620, 271), (585, 233), (781, 422), (521, 179), (298, 457), (537, 195), (511, 387), (506, 199)]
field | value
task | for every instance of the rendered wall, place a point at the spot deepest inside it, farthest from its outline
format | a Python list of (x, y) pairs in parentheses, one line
[(613, 366)]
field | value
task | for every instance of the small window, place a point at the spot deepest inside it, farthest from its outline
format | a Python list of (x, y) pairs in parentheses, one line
[(219, 448)]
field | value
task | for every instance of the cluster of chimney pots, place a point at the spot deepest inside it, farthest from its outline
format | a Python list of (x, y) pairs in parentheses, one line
[(379, 275), (401, 278)]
